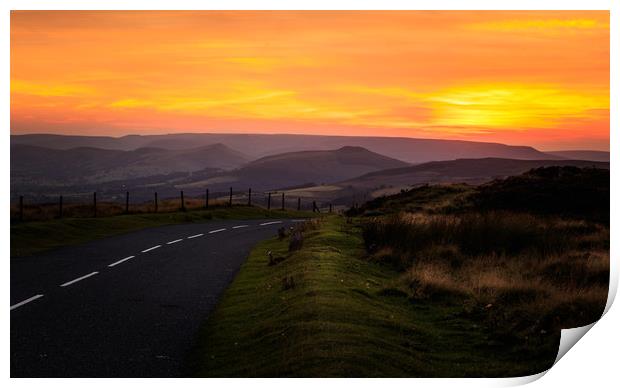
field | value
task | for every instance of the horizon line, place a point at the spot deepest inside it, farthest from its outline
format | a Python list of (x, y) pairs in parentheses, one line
[(315, 135)]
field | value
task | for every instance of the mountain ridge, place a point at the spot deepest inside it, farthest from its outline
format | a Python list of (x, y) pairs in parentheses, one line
[(474, 170), (91, 164), (294, 168), (598, 156), (411, 150)]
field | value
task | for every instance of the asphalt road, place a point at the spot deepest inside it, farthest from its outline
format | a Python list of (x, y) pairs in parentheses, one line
[(85, 311)]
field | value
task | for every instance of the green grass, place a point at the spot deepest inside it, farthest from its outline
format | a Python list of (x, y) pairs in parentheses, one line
[(344, 318), (28, 238), (429, 199)]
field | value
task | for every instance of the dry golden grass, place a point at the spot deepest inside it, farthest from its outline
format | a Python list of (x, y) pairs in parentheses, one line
[(521, 273)]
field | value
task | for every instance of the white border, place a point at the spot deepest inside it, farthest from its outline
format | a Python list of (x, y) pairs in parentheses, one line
[(313, 5), (594, 362)]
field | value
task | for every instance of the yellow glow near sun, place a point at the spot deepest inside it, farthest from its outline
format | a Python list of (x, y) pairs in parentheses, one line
[(541, 25), (513, 105)]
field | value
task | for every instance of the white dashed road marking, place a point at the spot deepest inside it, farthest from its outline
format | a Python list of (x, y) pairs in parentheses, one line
[(270, 223), (121, 261), (23, 302), (131, 257), (151, 248), (78, 279)]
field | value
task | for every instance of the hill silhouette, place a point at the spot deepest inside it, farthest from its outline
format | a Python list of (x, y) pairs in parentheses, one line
[(472, 171), (305, 167), (410, 150), (90, 165), (559, 190)]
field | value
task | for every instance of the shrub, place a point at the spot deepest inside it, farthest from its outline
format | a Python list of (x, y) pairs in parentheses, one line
[(472, 233), (516, 272)]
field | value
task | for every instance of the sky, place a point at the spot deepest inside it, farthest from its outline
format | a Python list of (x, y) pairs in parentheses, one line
[(516, 77)]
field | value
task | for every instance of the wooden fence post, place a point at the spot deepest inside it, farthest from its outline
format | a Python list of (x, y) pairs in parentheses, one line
[(282, 201), (127, 203), (269, 201), (21, 207), (207, 199), (298, 203), (95, 204), (60, 208), (156, 202), (250, 196), (230, 198), (182, 201), (330, 207)]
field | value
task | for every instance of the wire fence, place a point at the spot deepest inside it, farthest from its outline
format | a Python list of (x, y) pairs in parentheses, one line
[(89, 205)]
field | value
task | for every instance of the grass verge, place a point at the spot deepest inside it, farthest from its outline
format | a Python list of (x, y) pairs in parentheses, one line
[(34, 237), (327, 311)]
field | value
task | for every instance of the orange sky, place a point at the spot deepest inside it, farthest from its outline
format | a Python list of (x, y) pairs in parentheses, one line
[(535, 78)]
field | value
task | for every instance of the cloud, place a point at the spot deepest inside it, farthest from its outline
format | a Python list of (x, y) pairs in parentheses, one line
[(49, 89), (513, 105), (542, 25)]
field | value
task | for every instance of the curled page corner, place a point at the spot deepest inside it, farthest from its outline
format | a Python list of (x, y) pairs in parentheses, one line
[(568, 339), (523, 380)]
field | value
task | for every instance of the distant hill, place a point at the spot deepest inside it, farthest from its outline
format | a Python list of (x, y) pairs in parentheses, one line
[(66, 142), (410, 150), (567, 190), (296, 168), (555, 190), (472, 171), (89, 165), (599, 156)]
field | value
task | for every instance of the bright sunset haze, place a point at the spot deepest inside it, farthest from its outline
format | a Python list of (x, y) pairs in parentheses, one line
[(530, 78)]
